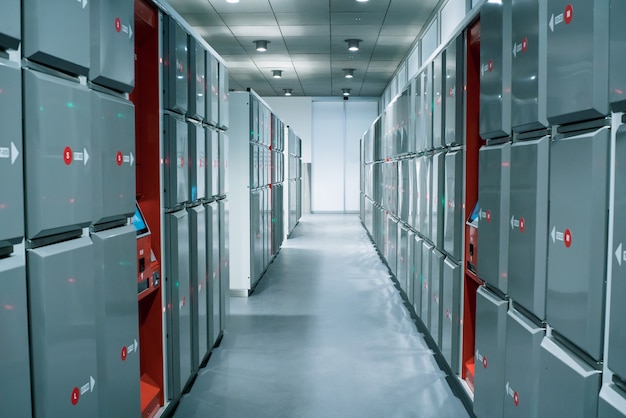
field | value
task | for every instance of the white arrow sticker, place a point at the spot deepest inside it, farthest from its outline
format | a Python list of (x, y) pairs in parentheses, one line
[(516, 48), (86, 155), (132, 159), (84, 3), (92, 382), (14, 153), (514, 222), (136, 344), (618, 254), (551, 23), (553, 234)]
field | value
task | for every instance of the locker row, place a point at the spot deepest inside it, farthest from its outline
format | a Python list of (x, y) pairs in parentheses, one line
[(267, 166)]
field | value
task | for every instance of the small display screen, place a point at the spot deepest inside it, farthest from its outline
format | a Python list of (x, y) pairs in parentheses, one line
[(139, 222)]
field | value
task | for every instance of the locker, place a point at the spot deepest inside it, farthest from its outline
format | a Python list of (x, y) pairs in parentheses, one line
[(11, 149), (224, 211), (568, 387), (176, 174), (58, 170), (213, 140), (176, 66), (10, 22), (612, 402), (112, 24), (416, 177), (438, 198), (62, 326), (453, 93), (117, 322), (197, 81), (528, 252), (212, 96), (214, 272), (410, 265), (494, 221), (451, 311), (495, 69), (453, 209), (427, 109), (223, 98), (617, 334), (403, 190), (392, 244), (425, 190), (15, 398), (178, 300), (113, 147), (65, 47), (521, 371), (577, 238), (528, 72), (198, 282), (437, 105), (436, 273), (489, 357), (426, 282), (617, 54), (403, 256), (197, 162), (412, 195)]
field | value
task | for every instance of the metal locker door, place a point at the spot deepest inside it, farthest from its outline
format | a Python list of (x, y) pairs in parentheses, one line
[(117, 318), (410, 266), (453, 208), (427, 103), (493, 194), (112, 45), (528, 251), (255, 237), (568, 387), (577, 78), (528, 72), (223, 153), (10, 22), (521, 371), (577, 250), (417, 194), (612, 402), (436, 272), (490, 354), (62, 316), (15, 397), (417, 275), (197, 81), (176, 63), (198, 283), (453, 93), (403, 190), (402, 257), (215, 155), (59, 45), (208, 208), (417, 105), (214, 274), (438, 198), (11, 149), (495, 70), (178, 300), (426, 283), (412, 194), (392, 244), (197, 164), (176, 174), (451, 312), (224, 209), (113, 159), (212, 96), (437, 104), (425, 195), (617, 54), (223, 98), (57, 146)]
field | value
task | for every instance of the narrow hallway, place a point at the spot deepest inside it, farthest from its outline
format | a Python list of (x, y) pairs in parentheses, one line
[(325, 334)]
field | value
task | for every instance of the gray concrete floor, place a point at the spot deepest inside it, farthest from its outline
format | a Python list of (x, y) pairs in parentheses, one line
[(325, 334)]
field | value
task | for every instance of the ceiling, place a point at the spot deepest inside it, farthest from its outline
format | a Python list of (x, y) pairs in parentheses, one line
[(307, 41)]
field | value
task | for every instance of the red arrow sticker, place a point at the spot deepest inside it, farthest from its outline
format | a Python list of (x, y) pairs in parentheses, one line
[(568, 15), (124, 353), (490, 66), (68, 155), (516, 399), (119, 158), (567, 238), (488, 216), (521, 224), (118, 25), (75, 396), (524, 44), (184, 301), (485, 362)]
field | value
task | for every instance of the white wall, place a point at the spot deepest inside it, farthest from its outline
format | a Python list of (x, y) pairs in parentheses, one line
[(295, 112)]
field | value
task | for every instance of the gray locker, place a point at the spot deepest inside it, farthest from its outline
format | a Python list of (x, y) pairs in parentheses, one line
[(198, 282), (15, 400), (113, 44), (424, 194), (494, 220), (577, 238), (213, 268), (410, 265), (213, 146), (427, 109), (11, 159), (417, 117), (489, 356), (451, 313), (197, 81), (197, 162), (255, 237), (212, 96), (178, 300), (224, 211), (612, 402), (176, 173), (437, 105), (117, 322), (568, 387), (528, 72), (412, 195), (426, 283), (57, 146), (175, 69), (392, 244), (10, 22), (403, 190), (617, 54), (453, 206), (223, 163), (223, 99), (48, 38), (437, 200), (495, 69), (453, 93), (403, 256), (528, 252), (617, 334), (62, 325), (521, 372), (113, 147), (578, 53), (436, 276)]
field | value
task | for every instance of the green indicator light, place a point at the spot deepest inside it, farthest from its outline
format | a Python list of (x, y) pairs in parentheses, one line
[(176, 284), (120, 115), (41, 108), (70, 105)]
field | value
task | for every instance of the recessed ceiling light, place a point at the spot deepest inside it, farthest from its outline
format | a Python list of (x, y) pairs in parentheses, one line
[(277, 73), (348, 72), (237, 1), (353, 44), (361, 1), (287, 92), (261, 45), (346, 92)]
